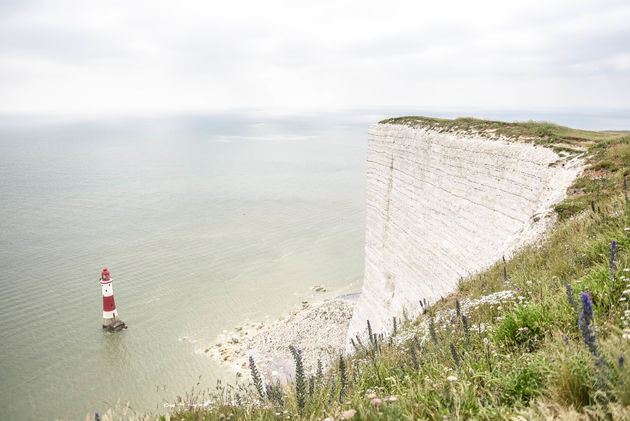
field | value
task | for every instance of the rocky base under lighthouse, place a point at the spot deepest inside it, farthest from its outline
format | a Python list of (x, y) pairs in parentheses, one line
[(114, 324)]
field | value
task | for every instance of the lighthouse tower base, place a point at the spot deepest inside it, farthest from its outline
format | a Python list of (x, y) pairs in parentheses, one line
[(113, 324)]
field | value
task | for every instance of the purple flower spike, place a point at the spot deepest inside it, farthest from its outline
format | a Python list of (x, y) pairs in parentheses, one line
[(621, 360), (585, 323), (613, 253)]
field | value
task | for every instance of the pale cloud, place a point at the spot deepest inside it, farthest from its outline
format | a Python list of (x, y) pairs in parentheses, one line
[(144, 57), (621, 62)]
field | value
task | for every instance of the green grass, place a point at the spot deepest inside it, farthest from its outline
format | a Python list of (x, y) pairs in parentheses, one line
[(540, 132), (522, 357)]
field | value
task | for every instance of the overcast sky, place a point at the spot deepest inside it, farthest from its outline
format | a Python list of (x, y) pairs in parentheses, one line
[(153, 57)]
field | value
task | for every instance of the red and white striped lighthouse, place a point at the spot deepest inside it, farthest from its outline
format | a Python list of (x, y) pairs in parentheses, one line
[(110, 315)]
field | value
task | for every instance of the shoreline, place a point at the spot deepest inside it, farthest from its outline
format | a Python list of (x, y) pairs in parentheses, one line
[(318, 329)]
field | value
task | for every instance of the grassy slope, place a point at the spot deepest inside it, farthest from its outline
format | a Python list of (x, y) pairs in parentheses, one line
[(522, 356)]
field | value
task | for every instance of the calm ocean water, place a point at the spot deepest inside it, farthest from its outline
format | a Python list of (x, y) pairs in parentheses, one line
[(204, 222)]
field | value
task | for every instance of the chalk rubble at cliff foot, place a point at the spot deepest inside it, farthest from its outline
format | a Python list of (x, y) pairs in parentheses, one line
[(318, 330), (444, 205)]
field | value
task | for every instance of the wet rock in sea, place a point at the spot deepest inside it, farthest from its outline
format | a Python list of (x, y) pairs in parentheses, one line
[(114, 324)]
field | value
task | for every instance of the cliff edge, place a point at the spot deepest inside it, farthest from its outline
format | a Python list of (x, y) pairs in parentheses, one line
[(443, 204)]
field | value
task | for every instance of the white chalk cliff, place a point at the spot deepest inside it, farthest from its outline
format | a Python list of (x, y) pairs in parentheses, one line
[(444, 205)]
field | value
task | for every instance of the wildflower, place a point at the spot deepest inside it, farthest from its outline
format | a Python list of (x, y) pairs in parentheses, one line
[(454, 354), (452, 379), (585, 323), (333, 387), (370, 396), (414, 357), (432, 331), (256, 378), (300, 386), (487, 348), (342, 372), (458, 310), (345, 415), (613, 252), (376, 402), (621, 360), (97, 417), (466, 330), (392, 398)]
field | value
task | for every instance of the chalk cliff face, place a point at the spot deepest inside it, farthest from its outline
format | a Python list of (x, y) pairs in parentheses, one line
[(441, 206)]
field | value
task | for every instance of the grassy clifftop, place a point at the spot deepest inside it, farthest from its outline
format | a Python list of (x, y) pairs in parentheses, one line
[(536, 131), (545, 335)]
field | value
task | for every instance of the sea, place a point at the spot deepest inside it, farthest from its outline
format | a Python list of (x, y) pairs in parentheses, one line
[(205, 222)]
